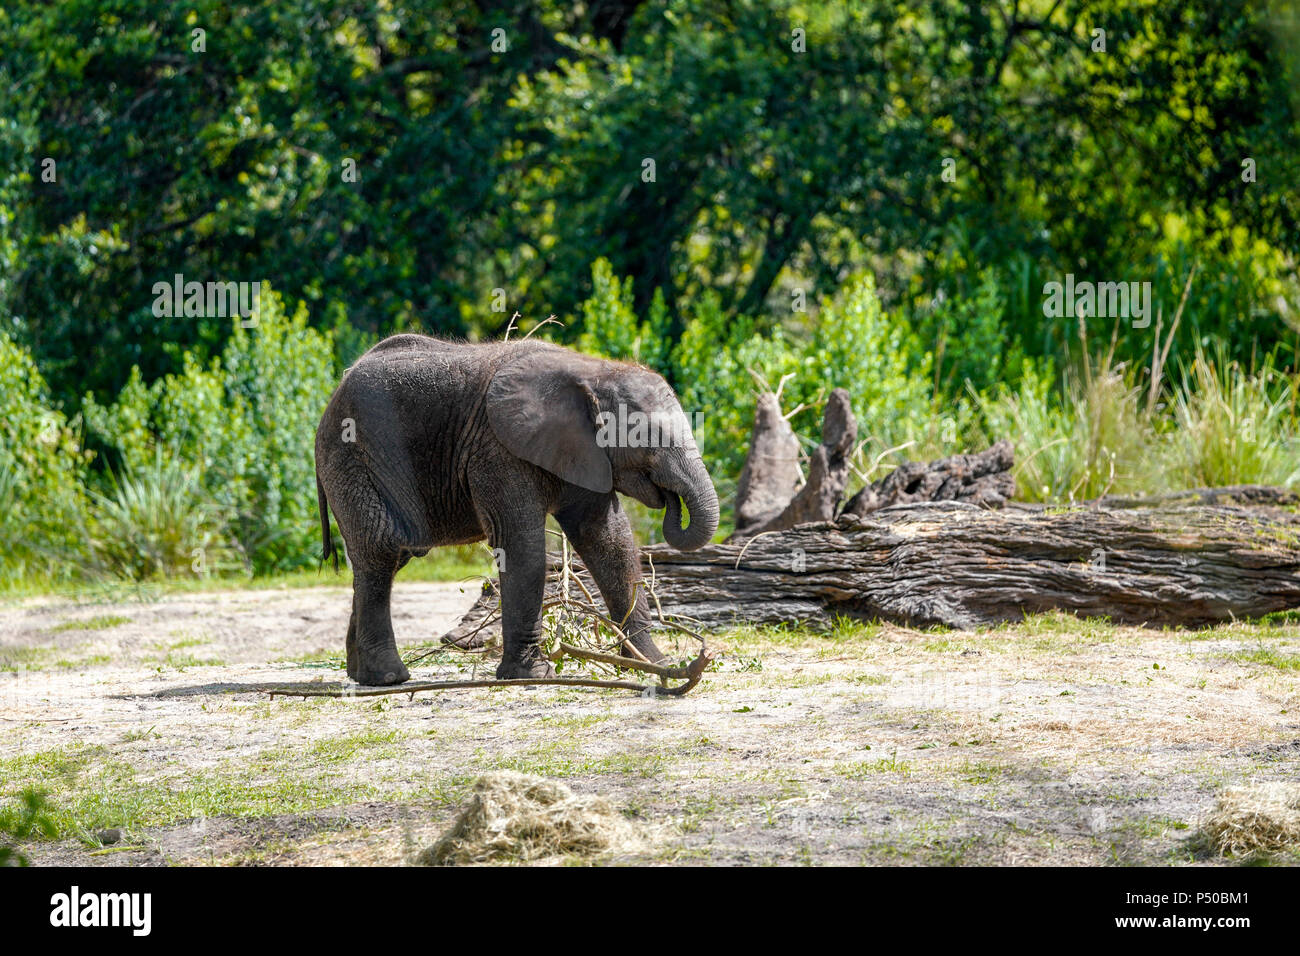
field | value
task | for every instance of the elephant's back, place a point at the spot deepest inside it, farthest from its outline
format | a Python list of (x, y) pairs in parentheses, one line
[(416, 362), (415, 347), (423, 355)]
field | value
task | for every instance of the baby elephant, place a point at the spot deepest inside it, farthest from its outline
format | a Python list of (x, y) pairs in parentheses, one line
[(428, 443)]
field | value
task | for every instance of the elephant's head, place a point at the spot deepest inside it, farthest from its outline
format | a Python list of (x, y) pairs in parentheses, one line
[(604, 426)]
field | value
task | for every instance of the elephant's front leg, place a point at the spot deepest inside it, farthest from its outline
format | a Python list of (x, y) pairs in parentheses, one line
[(602, 535), (521, 559)]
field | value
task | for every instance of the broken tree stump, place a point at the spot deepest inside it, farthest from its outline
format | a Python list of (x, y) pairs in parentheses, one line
[(771, 495), (962, 566), (771, 476), (766, 478)]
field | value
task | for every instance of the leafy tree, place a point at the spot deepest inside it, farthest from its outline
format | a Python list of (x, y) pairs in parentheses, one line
[(345, 151)]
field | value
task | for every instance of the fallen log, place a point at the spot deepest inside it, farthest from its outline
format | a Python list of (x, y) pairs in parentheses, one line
[(961, 566)]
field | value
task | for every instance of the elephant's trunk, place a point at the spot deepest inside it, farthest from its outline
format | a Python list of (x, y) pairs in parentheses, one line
[(691, 485)]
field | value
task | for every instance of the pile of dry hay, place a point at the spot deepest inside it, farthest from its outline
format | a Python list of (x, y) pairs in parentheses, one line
[(519, 817), (1257, 819)]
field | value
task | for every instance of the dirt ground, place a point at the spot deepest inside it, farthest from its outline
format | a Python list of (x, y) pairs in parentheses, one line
[(1054, 741)]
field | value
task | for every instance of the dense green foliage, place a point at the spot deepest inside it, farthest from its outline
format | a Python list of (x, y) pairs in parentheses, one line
[(42, 468), (803, 195), (244, 426)]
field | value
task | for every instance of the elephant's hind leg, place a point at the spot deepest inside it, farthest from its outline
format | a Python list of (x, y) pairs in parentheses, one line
[(372, 649), (379, 535)]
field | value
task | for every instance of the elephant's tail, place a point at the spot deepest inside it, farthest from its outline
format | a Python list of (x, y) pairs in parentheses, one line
[(327, 540)]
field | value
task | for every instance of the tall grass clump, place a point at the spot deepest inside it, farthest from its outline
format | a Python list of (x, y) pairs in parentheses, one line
[(1091, 437), (156, 521), (1230, 426)]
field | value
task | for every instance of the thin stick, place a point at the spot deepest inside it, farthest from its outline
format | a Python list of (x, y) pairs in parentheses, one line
[(449, 685), (692, 673), (549, 320)]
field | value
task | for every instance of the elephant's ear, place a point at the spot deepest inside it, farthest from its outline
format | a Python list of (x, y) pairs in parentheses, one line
[(543, 412)]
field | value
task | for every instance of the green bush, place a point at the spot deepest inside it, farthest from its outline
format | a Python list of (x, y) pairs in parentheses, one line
[(712, 365), (966, 335), (857, 346), (282, 373), (42, 474), (610, 326), (247, 425)]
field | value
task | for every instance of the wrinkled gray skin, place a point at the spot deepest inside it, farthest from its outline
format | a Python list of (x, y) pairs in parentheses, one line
[(457, 442)]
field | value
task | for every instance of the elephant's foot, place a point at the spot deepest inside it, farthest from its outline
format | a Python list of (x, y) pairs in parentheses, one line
[(378, 669), (526, 662)]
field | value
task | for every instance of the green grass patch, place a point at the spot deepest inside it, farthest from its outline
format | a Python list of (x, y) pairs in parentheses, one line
[(89, 790), (44, 658), (981, 772), (375, 744), (1061, 624), (863, 769), (442, 564), (25, 658), (564, 758), (747, 638), (1267, 657), (100, 622)]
